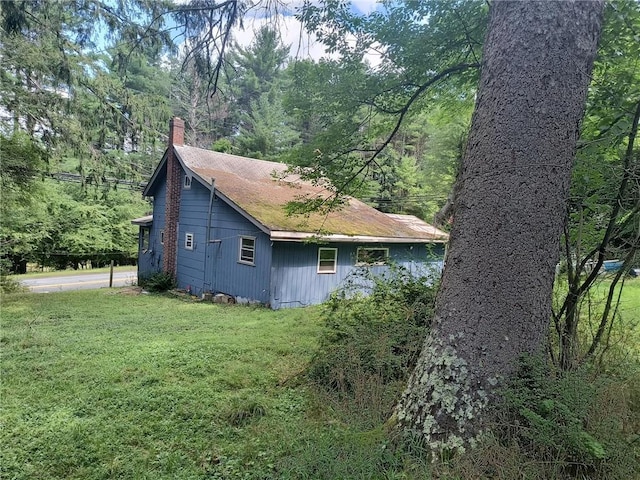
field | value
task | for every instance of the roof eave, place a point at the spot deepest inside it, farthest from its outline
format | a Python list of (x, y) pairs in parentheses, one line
[(285, 236), (145, 221), (156, 173)]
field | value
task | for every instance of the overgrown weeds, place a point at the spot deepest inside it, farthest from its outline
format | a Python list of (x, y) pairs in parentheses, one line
[(374, 330), (581, 424), (555, 426), (157, 282)]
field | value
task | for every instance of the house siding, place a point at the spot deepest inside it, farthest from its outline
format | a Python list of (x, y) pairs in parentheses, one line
[(284, 274), (225, 274), (296, 282), (193, 219), (150, 261)]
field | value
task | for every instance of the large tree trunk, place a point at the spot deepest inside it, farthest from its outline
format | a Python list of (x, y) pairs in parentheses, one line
[(494, 304)]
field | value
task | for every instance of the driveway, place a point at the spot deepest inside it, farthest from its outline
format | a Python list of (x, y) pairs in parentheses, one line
[(82, 281)]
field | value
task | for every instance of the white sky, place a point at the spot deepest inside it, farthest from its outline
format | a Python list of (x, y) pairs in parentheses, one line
[(302, 45)]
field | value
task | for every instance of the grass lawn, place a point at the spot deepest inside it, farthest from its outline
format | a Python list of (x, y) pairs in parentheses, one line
[(71, 272), (111, 384), (102, 384), (626, 332)]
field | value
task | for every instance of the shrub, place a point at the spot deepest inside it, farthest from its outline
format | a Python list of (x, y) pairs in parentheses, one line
[(374, 330), (8, 284), (570, 422), (157, 282)]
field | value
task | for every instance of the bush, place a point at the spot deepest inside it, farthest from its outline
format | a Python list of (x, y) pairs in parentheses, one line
[(374, 330), (8, 284), (570, 422), (157, 282)]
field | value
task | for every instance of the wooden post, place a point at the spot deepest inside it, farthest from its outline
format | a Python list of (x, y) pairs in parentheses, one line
[(111, 275)]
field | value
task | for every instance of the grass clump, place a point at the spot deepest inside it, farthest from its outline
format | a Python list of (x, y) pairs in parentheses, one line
[(374, 330)]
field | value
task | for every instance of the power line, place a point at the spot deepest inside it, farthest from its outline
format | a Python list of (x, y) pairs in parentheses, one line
[(77, 178)]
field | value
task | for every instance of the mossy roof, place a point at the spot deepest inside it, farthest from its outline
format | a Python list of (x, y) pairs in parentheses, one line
[(258, 188)]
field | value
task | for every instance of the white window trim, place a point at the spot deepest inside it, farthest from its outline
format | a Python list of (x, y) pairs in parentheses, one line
[(372, 264), (335, 259), (252, 249), (189, 241), (161, 237), (186, 183)]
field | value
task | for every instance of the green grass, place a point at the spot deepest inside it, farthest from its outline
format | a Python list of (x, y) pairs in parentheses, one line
[(626, 332), (104, 385), (630, 301), (109, 384), (71, 272)]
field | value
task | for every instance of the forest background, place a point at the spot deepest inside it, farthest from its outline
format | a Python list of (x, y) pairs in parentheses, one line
[(87, 89), (87, 92)]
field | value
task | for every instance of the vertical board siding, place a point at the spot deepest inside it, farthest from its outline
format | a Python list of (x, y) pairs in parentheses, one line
[(295, 281), (284, 274), (150, 262), (194, 203), (224, 273)]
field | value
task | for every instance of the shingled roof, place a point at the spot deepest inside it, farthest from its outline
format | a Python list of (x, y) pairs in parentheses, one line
[(260, 190)]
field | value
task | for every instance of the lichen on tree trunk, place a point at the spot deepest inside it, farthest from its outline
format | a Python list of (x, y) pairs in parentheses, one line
[(494, 304)]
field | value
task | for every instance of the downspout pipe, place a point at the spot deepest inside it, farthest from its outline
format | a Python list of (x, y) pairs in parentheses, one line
[(208, 235), (211, 196)]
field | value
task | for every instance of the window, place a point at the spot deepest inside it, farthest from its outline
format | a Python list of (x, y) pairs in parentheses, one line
[(327, 260), (146, 234), (188, 241), (187, 182), (372, 256), (161, 237), (247, 250)]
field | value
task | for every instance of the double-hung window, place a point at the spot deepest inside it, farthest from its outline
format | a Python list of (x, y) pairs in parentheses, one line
[(247, 250), (327, 260), (187, 182)]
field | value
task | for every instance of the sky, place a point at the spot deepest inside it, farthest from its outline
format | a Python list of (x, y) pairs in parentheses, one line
[(302, 45)]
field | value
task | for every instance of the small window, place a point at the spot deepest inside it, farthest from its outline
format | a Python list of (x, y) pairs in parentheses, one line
[(187, 182), (188, 241), (327, 260), (247, 250), (161, 237), (146, 239), (372, 256)]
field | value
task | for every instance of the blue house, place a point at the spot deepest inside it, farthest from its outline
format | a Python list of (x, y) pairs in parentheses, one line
[(219, 226)]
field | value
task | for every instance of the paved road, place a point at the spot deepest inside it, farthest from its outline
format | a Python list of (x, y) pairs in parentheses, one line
[(84, 281)]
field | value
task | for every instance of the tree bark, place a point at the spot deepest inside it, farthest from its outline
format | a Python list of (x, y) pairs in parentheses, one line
[(494, 304)]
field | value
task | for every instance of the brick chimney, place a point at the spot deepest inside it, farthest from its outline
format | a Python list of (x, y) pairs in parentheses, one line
[(172, 201), (176, 131)]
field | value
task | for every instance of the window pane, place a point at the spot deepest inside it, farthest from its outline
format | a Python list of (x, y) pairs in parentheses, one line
[(145, 238), (247, 250), (327, 260), (372, 256)]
